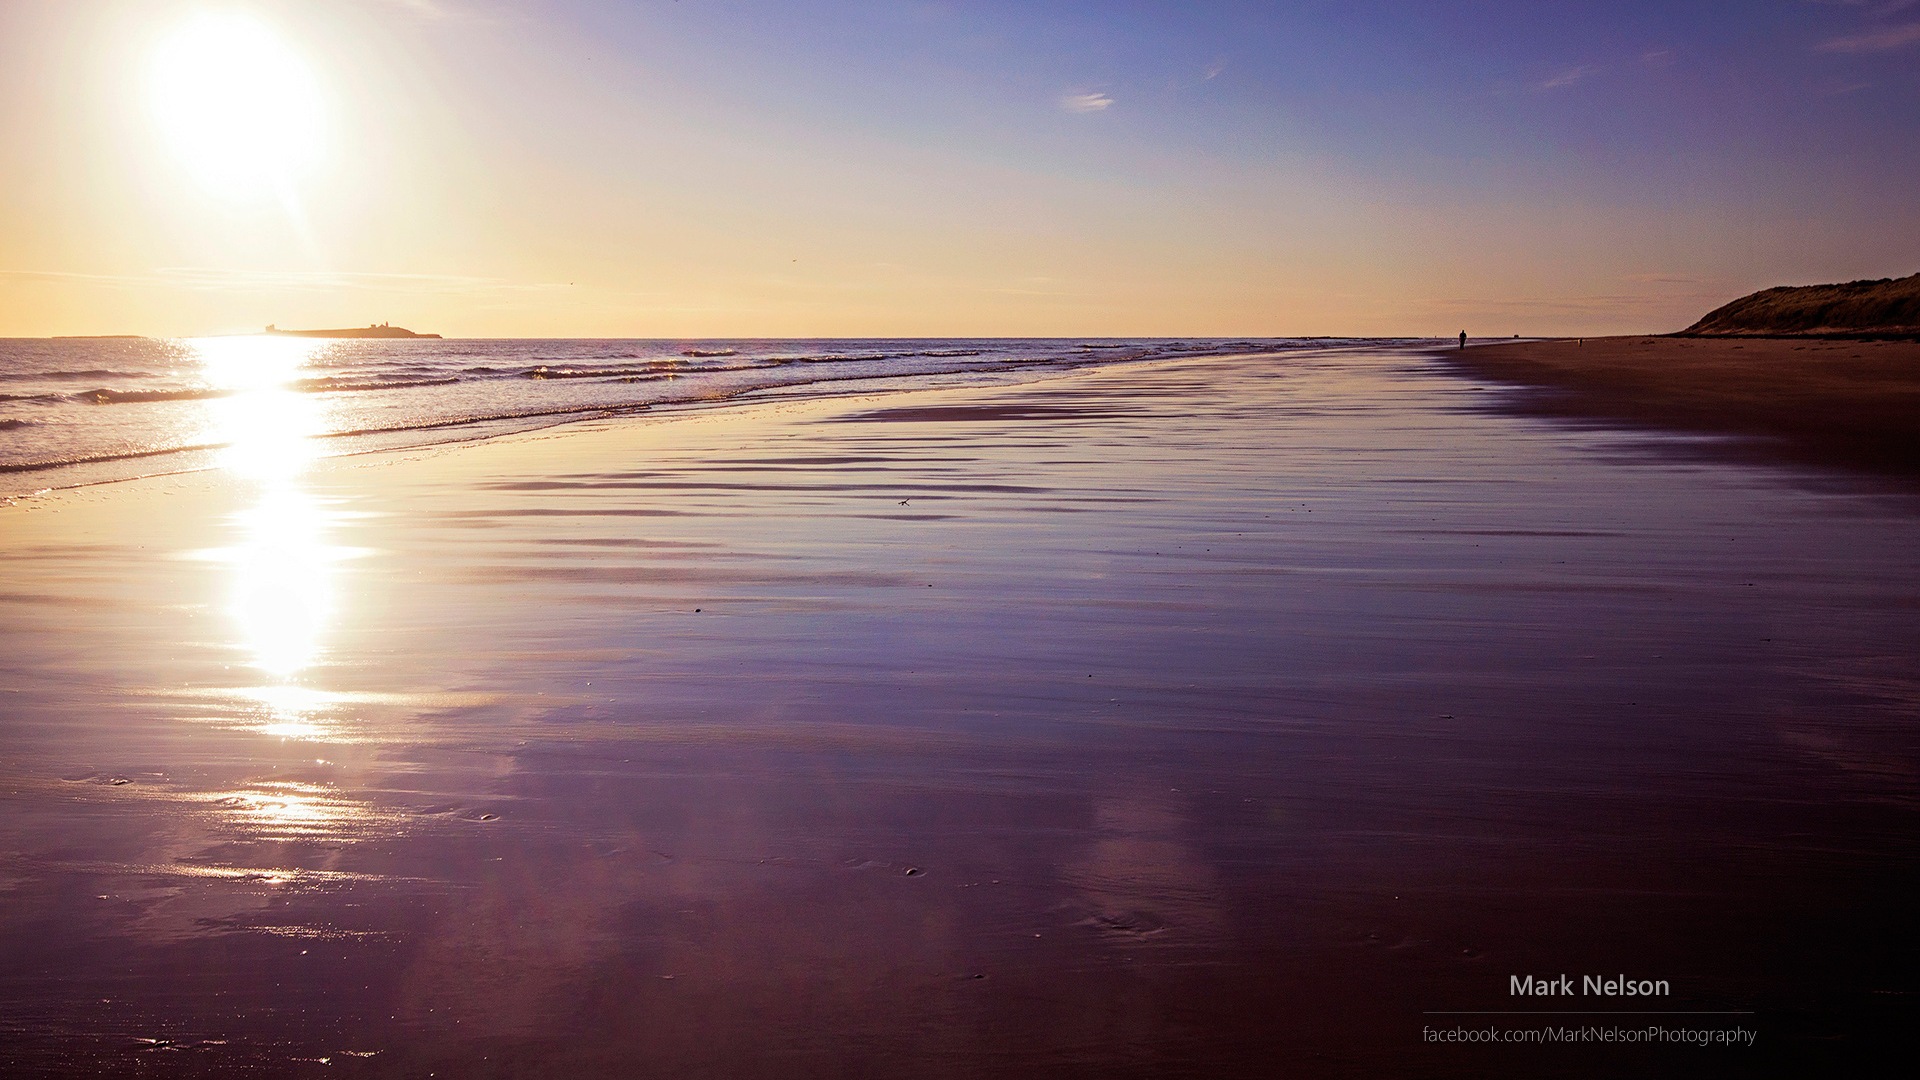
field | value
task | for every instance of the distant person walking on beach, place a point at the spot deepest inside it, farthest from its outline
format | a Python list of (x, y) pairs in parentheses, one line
[(1463, 339)]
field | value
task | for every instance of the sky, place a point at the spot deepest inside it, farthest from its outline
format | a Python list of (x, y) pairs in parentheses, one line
[(511, 168)]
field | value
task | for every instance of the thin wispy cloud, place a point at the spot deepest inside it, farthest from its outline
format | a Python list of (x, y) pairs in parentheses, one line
[(68, 275), (429, 9), (205, 279), (1570, 76), (454, 11), (1178, 83), (1657, 57), (1884, 39), (1085, 103), (1603, 305), (199, 278)]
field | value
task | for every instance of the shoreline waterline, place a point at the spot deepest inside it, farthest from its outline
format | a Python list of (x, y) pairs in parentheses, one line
[(181, 404)]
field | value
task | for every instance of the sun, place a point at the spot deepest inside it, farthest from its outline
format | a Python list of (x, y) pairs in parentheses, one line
[(237, 104)]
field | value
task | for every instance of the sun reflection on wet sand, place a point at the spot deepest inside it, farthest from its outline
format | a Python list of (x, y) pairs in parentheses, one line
[(283, 591), (287, 810)]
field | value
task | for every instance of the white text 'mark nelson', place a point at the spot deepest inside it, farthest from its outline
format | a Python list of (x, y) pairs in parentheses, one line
[(1590, 986)]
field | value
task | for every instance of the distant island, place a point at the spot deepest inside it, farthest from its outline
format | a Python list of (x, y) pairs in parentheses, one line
[(380, 330), (1886, 307)]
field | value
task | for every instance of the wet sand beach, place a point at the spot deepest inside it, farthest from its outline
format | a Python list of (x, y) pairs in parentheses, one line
[(1821, 400), (1217, 717)]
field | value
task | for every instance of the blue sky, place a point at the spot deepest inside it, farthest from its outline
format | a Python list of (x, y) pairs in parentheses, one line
[(1701, 91)]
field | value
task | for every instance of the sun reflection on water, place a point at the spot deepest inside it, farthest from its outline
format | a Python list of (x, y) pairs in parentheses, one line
[(282, 587), (293, 811), (282, 583)]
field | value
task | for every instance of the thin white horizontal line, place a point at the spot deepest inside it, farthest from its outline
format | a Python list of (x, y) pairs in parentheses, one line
[(1588, 1012)]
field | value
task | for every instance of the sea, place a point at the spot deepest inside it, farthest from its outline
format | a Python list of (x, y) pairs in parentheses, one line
[(76, 411)]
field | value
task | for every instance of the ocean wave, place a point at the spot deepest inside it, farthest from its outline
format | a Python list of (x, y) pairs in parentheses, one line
[(478, 393), (92, 459), (340, 383), (60, 374), (646, 374), (560, 414), (833, 358), (581, 411), (575, 358), (324, 384), (103, 396), (468, 420)]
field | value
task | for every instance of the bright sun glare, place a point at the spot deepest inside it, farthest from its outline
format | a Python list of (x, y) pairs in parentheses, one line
[(240, 107), (282, 580)]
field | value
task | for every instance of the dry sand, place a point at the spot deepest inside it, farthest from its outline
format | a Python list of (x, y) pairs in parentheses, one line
[(1848, 403), (1213, 718)]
